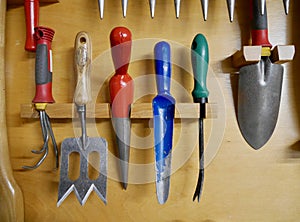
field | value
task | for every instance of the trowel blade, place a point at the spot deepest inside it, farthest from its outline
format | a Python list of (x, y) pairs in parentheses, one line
[(259, 100), (163, 120), (122, 129)]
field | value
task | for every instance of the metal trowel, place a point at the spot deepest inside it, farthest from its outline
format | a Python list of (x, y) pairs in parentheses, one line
[(259, 87), (83, 145)]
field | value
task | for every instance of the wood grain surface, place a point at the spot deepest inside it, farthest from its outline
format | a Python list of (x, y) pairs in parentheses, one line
[(241, 184)]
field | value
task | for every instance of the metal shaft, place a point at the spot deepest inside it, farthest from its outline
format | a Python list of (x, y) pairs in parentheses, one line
[(199, 186), (230, 5), (152, 7), (286, 4), (177, 8), (204, 4), (124, 7), (101, 8), (81, 109)]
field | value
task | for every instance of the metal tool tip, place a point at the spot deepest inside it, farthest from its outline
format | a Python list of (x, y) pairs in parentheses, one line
[(124, 185), (199, 186), (101, 14), (124, 10), (162, 190), (230, 6), (262, 6), (177, 8), (196, 197), (101, 8), (161, 200), (204, 5), (286, 6), (152, 7)]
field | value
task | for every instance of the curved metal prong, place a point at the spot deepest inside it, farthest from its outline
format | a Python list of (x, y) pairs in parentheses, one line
[(46, 131), (44, 147), (38, 163), (48, 124)]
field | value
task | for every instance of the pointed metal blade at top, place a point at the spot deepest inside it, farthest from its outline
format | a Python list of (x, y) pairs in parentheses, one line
[(230, 6), (204, 4), (262, 6), (101, 8), (286, 4), (152, 7), (259, 100), (124, 7), (177, 8)]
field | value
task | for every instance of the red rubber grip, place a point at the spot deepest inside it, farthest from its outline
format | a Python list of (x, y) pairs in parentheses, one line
[(43, 65), (43, 93), (121, 84), (32, 19), (259, 24), (260, 38)]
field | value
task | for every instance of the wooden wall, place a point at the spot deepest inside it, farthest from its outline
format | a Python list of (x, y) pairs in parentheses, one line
[(241, 184)]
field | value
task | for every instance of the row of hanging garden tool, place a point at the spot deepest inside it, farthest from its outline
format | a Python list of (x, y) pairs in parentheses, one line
[(121, 93), (260, 82)]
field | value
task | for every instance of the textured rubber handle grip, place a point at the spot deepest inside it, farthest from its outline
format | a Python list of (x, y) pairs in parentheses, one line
[(200, 61), (43, 65), (162, 53), (32, 19), (259, 31), (121, 84), (82, 65)]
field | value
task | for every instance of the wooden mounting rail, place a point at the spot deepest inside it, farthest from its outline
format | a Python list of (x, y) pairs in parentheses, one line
[(102, 110), (252, 54)]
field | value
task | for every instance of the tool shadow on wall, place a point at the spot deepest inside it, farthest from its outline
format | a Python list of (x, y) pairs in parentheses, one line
[(294, 149)]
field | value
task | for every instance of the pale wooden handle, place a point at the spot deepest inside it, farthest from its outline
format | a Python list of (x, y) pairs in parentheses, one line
[(82, 62), (11, 198)]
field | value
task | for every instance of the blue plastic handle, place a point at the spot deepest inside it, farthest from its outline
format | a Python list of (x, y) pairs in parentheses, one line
[(162, 53), (163, 104)]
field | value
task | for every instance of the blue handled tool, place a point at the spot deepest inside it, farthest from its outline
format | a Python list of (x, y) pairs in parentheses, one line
[(200, 59), (163, 114)]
